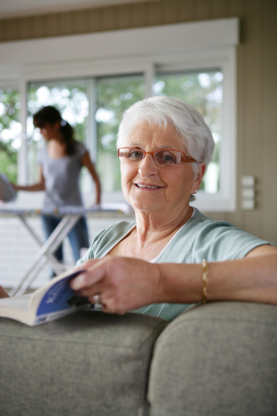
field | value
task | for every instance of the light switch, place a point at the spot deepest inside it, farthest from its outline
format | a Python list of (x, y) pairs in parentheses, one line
[(248, 204), (248, 192), (248, 181)]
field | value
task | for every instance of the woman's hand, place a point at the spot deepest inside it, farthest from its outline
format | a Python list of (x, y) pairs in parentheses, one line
[(37, 187), (3, 293), (123, 283)]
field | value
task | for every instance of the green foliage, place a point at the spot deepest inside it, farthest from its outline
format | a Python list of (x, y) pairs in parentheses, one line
[(114, 96), (70, 98), (207, 98), (66, 97), (203, 90), (8, 161), (9, 113)]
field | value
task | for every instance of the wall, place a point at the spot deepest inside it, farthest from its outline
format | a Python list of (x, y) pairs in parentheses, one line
[(256, 79)]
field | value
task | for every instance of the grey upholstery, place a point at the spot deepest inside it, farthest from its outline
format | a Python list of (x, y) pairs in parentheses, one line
[(219, 359), (88, 363)]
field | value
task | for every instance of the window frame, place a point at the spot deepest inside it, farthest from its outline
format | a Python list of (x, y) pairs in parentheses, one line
[(199, 45)]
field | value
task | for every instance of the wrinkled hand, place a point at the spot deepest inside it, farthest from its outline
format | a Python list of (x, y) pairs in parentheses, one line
[(123, 283), (3, 293)]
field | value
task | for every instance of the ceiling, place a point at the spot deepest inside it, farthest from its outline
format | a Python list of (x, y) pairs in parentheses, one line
[(17, 8)]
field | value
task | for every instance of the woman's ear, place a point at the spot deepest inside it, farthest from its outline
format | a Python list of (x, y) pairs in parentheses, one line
[(57, 125), (200, 174)]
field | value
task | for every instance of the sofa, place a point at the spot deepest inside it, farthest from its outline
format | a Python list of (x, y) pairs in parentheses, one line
[(217, 359)]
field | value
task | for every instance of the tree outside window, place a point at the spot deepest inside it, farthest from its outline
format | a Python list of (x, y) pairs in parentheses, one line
[(114, 96), (70, 97), (10, 132), (204, 91)]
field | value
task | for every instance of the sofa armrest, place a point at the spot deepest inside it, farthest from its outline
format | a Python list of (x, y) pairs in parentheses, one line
[(87, 363), (219, 359)]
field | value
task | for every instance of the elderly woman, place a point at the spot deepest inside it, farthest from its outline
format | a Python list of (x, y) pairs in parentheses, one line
[(172, 255)]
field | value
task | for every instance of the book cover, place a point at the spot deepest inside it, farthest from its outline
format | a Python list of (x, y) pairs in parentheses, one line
[(50, 302)]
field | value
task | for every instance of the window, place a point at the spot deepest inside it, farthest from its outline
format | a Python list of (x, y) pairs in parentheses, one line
[(114, 96), (70, 97), (204, 91)]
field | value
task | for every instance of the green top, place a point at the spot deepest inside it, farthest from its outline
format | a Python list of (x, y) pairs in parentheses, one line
[(200, 238)]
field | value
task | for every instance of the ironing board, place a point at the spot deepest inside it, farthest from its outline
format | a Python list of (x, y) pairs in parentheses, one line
[(69, 217)]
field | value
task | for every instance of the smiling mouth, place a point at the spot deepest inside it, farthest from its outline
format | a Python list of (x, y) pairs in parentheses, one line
[(147, 186)]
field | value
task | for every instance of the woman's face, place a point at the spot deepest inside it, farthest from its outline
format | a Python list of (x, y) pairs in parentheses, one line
[(151, 188), (49, 131)]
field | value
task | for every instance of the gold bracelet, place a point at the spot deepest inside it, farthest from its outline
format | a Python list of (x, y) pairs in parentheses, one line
[(204, 281)]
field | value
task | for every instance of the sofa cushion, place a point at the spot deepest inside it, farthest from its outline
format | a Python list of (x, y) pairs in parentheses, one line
[(88, 363), (219, 359)]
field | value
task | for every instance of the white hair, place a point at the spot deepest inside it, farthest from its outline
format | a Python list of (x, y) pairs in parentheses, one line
[(187, 121)]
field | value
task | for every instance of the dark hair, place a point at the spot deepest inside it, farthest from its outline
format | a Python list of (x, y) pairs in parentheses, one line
[(50, 115)]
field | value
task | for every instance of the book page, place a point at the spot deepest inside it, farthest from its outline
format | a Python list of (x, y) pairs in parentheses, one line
[(18, 302)]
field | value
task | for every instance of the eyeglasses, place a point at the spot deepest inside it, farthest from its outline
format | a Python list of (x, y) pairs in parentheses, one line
[(162, 157)]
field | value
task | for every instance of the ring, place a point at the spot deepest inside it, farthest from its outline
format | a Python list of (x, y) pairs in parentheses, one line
[(97, 302)]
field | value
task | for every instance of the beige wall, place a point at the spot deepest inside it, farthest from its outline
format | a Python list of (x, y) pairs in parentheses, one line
[(256, 79)]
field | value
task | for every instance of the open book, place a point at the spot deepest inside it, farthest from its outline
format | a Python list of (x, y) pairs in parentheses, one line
[(51, 301)]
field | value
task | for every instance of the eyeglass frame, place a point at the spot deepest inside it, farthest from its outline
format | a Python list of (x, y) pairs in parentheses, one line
[(185, 157)]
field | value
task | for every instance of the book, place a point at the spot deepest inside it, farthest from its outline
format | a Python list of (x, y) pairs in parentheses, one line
[(7, 193), (50, 302)]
